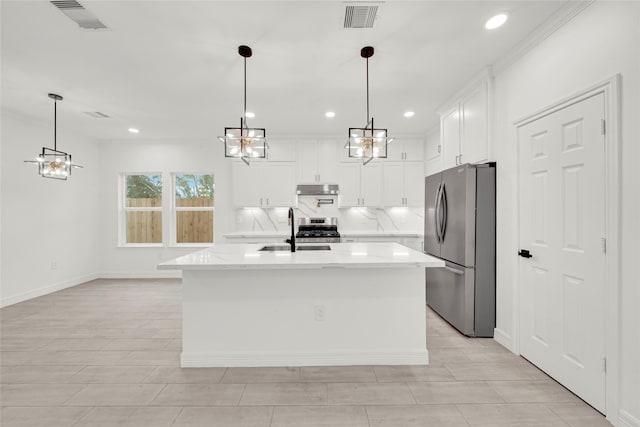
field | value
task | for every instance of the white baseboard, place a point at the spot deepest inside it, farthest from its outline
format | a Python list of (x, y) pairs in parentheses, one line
[(314, 358), (503, 339), (164, 274), (44, 290), (625, 419)]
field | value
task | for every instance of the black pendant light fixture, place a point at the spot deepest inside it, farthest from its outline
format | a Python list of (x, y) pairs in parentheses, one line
[(243, 142), (53, 163), (367, 142)]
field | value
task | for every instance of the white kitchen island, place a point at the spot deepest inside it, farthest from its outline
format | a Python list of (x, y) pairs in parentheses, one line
[(356, 304)]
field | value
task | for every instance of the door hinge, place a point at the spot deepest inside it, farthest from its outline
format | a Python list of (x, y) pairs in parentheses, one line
[(604, 244), (604, 364), (603, 126)]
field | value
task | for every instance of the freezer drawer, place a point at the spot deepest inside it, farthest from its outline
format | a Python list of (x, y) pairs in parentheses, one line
[(450, 292), (463, 297)]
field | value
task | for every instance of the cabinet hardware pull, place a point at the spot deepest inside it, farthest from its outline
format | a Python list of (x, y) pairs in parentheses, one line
[(267, 201), (460, 158)]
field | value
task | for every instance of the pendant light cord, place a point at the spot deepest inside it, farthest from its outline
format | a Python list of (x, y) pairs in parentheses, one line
[(55, 125), (367, 90), (244, 111)]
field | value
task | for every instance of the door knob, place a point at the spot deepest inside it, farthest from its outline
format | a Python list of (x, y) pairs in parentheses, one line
[(524, 253)]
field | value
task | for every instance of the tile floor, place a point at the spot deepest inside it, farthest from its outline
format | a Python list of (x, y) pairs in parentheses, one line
[(106, 353)]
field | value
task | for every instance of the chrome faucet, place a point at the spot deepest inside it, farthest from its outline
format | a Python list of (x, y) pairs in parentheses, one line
[(292, 240)]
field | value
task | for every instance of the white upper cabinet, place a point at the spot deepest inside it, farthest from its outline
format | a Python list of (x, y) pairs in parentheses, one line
[(281, 150), (317, 162), (405, 149), (403, 184), (464, 127), (264, 184), (360, 185), (433, 158)]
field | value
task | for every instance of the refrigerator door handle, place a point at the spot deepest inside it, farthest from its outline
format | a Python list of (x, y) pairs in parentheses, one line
[(437, 213), (454, 270), (443, 206)]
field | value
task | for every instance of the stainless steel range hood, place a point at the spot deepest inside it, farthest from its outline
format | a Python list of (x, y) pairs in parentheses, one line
[(317, 190)]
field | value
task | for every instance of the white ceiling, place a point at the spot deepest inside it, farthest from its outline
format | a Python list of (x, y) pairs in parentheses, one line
[(171, 68)]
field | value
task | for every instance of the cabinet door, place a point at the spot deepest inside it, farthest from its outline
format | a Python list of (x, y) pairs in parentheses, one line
[(327, 161), (247, 184), (474, 140), (371, 184), (279, 184), (393, 187), (307, 162), (414, 184), (414, 150), (281, 150), (432, 146), (395, 151), (450, 137), (349, 182)]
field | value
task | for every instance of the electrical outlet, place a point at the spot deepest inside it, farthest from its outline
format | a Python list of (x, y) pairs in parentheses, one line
[(54, 265), (319, 313)]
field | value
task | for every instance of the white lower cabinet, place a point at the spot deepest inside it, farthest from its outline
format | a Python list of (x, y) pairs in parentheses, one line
[(360, 185), (264, 184), (413, 242), (403, 184)]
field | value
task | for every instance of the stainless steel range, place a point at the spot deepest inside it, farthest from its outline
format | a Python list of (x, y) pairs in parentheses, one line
[(318, 230)]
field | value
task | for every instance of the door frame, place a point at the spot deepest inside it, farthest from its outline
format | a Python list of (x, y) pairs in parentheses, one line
[(610, 88)]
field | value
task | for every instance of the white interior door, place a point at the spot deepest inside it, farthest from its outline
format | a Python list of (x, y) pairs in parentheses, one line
[(562, 224)]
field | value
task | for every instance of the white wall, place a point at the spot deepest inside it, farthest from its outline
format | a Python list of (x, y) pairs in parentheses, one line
[(165, 157), (600, 42), (46, 221)]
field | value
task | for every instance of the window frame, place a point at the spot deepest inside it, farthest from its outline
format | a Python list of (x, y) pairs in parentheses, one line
[(174, 209), (123, 209)]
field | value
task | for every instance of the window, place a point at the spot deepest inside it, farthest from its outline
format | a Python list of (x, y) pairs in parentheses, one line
[(193, 208), (142, 208)]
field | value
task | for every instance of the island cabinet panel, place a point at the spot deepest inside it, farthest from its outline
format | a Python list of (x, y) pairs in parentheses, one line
[(264, 184), (320, 317)]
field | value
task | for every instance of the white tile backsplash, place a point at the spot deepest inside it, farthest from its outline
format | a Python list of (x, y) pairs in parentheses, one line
[(353, 219)]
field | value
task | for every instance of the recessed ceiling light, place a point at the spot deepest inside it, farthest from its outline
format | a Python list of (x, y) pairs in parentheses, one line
[(250, 114), (496, 21), (133, 130), (329, 114), (409, 114)]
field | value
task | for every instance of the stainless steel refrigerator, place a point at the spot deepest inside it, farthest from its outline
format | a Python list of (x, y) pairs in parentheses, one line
[(460, 229)]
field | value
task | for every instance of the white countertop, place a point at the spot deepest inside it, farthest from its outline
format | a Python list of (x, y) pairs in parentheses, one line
[(343, 233), (241, 234), (341, 255)]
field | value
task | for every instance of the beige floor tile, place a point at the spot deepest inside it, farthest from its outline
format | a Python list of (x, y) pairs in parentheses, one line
[(77, 357), (494, 371), (175, 344), (137, 344), (285, 394), (115, 395), (453, 392), (440, 356), (319, 416), (412, 373), (21, 343), (69, 344), (532, 391), (415, 416), (114, 416), (51, 374), (579, 415), (199, 395), (343, 374), (173, 375), (49, 416), (260, 375), (369, 394), (152, 357), (451, 341), (510, 414), (37, 394), (241, 416), (112, 374)]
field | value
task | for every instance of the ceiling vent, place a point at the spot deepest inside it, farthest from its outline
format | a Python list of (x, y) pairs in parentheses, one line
[(361, 15), (79, 14), (96, 114)]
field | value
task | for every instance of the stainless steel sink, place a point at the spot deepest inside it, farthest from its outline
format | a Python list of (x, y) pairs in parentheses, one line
[(275, 248)]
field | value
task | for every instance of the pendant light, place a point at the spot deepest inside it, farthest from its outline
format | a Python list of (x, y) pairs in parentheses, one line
[(243, 142), (367, 142), (53, 163)]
